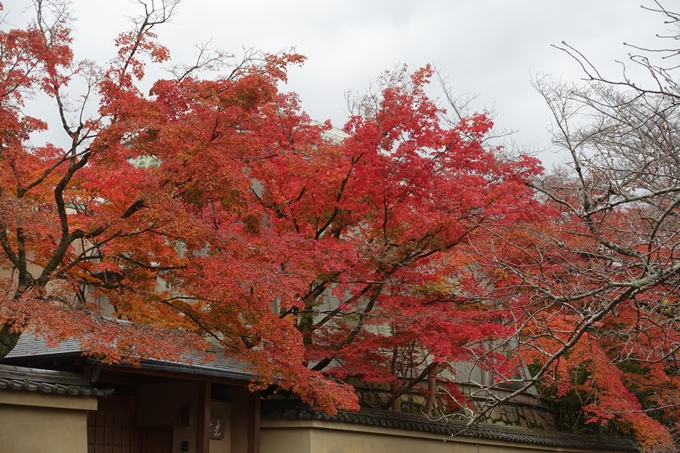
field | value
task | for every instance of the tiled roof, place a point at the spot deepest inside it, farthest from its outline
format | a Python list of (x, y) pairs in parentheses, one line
[(213, 363), (283, 409), (31, 346), (47, 381)]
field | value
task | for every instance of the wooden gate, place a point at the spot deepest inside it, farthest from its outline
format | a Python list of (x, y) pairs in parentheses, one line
[(111, 428)]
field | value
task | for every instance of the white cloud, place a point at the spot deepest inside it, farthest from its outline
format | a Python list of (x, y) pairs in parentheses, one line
[(489, 47)]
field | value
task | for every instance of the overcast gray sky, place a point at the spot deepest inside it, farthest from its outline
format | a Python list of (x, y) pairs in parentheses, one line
[(492, 48)]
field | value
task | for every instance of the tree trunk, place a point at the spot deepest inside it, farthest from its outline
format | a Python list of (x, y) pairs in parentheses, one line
[(8, 339), (431, 392)]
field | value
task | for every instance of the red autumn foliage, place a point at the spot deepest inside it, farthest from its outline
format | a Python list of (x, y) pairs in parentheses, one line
[(369, 260), (310, 259), (593, 325)]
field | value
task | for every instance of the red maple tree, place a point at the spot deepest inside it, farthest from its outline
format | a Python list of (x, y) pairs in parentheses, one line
[(319, 262)]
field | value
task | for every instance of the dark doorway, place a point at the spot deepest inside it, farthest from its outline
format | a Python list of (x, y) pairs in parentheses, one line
[(154, 439)]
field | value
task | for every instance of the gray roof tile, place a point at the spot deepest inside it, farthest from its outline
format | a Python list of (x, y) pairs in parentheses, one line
[(47, 381), (30, 345)]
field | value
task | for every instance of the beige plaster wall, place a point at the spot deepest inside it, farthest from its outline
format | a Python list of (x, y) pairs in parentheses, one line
[(43, 423), (284, 439), (39, 399), (314, 436)]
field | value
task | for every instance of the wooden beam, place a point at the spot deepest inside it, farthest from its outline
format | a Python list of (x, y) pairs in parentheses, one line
[(203, 425), (112, 369), (254, 422)]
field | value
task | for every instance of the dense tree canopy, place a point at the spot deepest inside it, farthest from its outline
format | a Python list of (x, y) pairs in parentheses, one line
[(316, 261)]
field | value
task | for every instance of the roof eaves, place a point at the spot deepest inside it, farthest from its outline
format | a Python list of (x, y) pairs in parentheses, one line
[(33, 347), (183, 369)]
